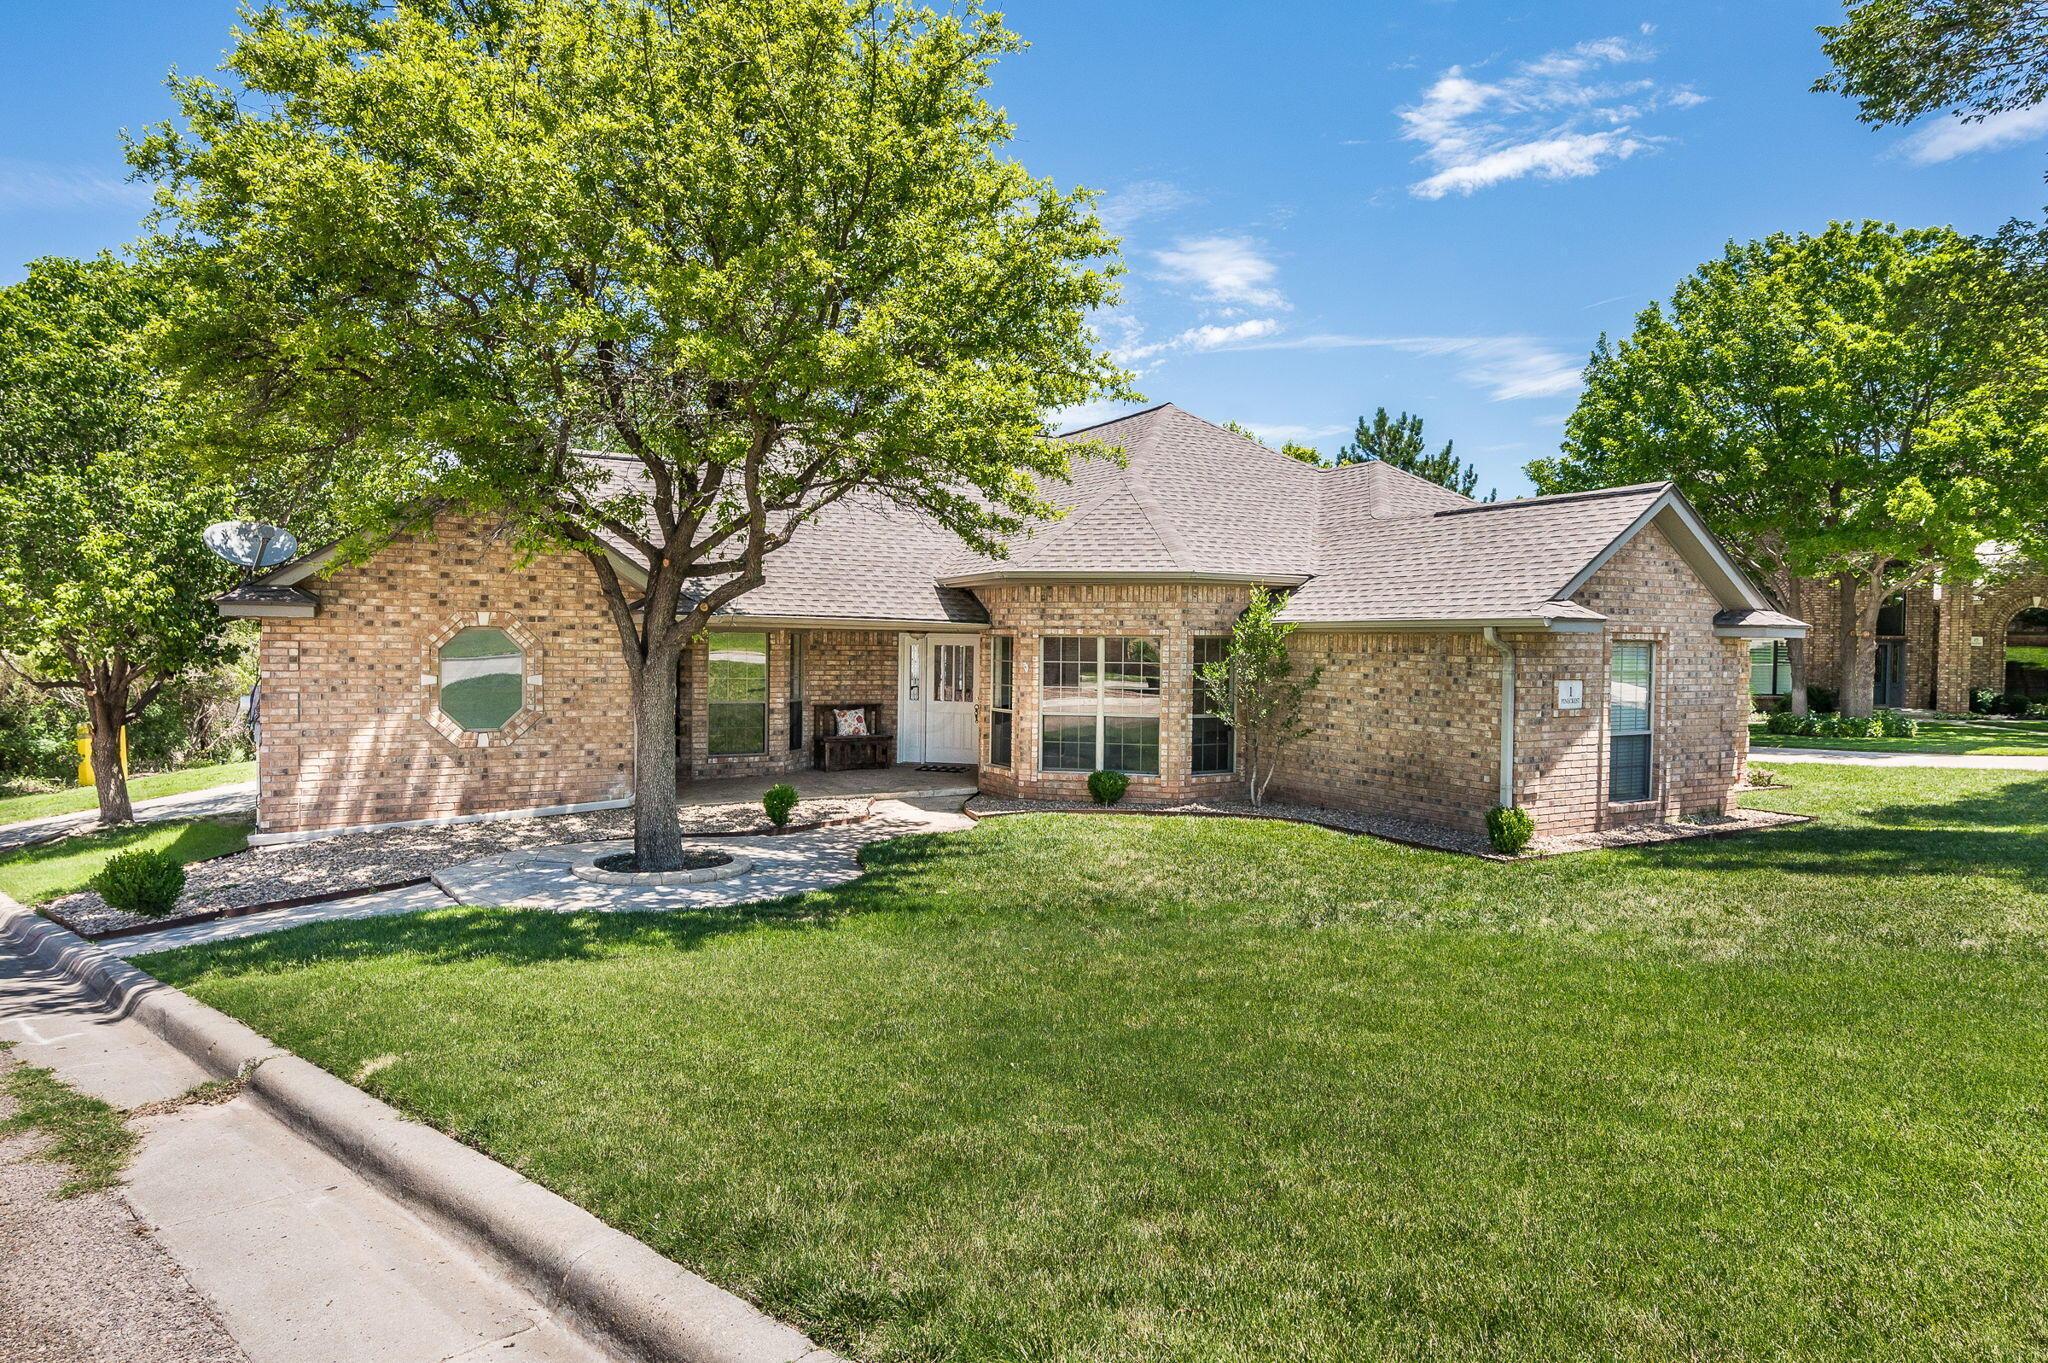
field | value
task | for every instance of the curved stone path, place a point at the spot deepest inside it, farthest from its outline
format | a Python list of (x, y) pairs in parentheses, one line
[(540, 878)]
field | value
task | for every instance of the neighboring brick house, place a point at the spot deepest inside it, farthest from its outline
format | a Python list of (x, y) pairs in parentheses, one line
[(1935, 644), (1583, 656)]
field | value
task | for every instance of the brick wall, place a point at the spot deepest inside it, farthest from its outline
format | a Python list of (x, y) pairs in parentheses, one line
[(1171, 614), (1409, 723), (1820, 606), (348, 734), (837, 667)]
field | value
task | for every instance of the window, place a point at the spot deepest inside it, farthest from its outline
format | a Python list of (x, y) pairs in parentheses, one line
[(796, 692), (1214, 743), (1099, 706), (739, 694), (1002, 719), (1770, 668), (1891, 617), (952, 672), (483, 679), (1629, 676)]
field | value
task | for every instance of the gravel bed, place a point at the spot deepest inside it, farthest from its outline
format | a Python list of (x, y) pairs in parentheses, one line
[(1414, 832), (360, 862)]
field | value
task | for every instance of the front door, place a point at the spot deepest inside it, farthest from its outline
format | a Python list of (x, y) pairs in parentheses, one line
[(936, 700), (1889, 685)]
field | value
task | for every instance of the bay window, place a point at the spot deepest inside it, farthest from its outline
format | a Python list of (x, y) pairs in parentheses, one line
[(1099, 705)]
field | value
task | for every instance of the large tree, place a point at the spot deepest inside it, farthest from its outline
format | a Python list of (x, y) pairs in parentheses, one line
[(104, 582), (1901, 59), (1398, 441), (1865, 405), (773, 252)]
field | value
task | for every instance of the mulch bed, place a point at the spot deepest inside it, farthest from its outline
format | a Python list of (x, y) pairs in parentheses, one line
[(288, 875), (1409, 832)]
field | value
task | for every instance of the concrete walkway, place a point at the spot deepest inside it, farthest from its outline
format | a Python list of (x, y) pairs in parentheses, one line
[(213, 802), (1766, 756), (302, 1260), (540, 878)]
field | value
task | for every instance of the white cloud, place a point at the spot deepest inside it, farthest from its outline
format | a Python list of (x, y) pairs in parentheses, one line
[(1553, 118), (1507, 367), (1089, 414), (1225, 269), (26, 185), (1139, 200), (1950, 138), (1211, 337), (1277, 433)]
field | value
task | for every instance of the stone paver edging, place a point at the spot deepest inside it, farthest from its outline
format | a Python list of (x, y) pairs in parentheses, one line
[(627, 1298)]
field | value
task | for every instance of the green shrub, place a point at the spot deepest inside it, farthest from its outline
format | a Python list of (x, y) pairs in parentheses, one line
[(779, 801), (1108, 786), (1783, 722), (145, 882), (1509, 829), (1820, 699), (1892, 724)]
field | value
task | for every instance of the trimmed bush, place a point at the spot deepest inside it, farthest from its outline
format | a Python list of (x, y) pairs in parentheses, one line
[(144, 882), (1509, 830), (780, 802), (1107, 787), (1820, 699), (1892, 724)]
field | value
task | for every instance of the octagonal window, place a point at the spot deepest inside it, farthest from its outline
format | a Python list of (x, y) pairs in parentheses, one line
[(483, 679)]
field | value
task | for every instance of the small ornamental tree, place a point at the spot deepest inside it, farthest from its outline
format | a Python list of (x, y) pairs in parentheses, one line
[(1262, 695), (105, 585), (768, 254)]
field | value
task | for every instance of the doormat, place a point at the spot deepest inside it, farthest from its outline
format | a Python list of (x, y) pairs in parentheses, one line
[(944, 766)]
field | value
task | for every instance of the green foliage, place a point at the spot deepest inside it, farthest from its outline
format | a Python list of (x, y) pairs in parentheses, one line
[(51, 870), (1882, 724), (768, 254), (1398, 441), (1820, 698), (1264, 696), (37, 733), (779, 801), (1509, 829), (145, 881), (1293, 449), (1900, 59), (1892, 724), (105, 585), (1107, 787), (1868, 403)]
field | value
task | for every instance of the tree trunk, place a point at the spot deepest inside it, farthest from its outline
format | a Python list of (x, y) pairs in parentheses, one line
[(657, 833), (1859, 652), (104, 715), (1795, 658)]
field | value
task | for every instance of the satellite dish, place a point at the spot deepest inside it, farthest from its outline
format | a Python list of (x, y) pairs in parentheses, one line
[(251, 544)]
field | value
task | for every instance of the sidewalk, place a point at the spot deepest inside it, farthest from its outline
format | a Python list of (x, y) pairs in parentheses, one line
[(213, 802), (301, 1258), (1766, 756)]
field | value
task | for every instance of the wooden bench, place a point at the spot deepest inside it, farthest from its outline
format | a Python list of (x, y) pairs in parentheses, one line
[(834, 751)]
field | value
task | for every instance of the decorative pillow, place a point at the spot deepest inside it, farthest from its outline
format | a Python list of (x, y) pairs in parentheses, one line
[(852, 723)]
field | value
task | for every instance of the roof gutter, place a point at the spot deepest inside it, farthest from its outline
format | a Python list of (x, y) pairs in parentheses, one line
[(1507, 714)]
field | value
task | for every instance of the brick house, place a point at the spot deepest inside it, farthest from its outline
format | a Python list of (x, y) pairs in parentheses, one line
[(1583, 656), (1935, 644)]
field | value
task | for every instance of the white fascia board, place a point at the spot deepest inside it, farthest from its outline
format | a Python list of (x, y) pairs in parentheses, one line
[(267, 610), (1694, 542), (1760, 631)]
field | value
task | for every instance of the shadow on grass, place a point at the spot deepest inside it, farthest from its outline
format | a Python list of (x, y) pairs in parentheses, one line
[(524, 937)]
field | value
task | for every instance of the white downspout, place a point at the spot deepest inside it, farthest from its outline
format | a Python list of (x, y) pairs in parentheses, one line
[(1507, 715)]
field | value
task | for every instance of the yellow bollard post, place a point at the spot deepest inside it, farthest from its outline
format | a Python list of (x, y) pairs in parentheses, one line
[(85, 753)]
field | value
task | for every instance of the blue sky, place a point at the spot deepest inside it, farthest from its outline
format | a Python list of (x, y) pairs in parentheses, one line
[(1435, 205)]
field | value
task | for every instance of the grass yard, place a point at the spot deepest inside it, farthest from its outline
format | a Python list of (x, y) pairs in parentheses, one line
[(51, 870), (1067, 1089), (43, 804), (1990, 738)]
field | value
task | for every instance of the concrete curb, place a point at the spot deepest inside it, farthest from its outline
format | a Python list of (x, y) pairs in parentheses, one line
[(624, 1297)]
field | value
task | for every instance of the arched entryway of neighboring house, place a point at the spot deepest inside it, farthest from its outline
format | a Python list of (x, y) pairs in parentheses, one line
[(2026, 653)]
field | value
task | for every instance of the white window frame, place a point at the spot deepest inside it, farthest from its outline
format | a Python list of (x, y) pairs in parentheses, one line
[(1101, 711), (1002, 695), (1649, 730)]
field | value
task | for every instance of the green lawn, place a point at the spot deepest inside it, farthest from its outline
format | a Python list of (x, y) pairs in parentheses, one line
[(51, 870), (2007, 737), (1067, 1089), (20, 808)]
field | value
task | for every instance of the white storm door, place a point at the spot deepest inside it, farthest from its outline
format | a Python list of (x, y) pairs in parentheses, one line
[(936, 700)]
